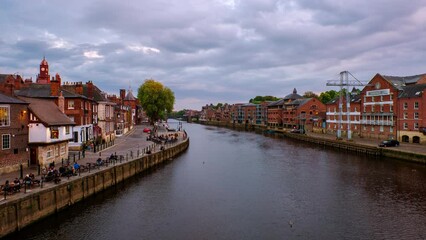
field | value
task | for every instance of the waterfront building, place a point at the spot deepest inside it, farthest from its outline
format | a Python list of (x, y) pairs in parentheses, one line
[(103, 109), (411, 115), (261, 116), (275, 111), (13, 133), (379, 102), (354, 113), (49, 130)]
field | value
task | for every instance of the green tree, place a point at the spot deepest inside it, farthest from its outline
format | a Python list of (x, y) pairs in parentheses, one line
[(156, 99), (259, 99), (309, 94), (327, 96)]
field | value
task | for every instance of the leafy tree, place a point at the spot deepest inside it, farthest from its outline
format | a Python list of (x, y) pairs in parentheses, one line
[(259, 99), (156, 100), (309, 94), (327, 96)]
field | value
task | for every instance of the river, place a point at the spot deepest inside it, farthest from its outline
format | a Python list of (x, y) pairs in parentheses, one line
[(242, 185)]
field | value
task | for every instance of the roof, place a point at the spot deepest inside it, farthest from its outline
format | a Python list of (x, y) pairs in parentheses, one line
[(98, 95), (10, 100), (43, 91), (48, 112), (276, 103), (400, 82), (353, 98), (129, 96), (410, 91), (293, 96), (299, 102)]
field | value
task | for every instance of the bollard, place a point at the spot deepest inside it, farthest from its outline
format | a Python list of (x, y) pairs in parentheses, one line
[(21, 171), (25, 187), (78, 155), (38, 170), (84, 153)]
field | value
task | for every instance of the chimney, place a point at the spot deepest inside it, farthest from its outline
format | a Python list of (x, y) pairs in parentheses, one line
[(122, 94), (61, 102), (90, 89), (54, 88), (58, 78), (79, 88)]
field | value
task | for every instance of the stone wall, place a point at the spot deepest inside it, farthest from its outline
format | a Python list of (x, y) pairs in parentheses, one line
[(16, 214)]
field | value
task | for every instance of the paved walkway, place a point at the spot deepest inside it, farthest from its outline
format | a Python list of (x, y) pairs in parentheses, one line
[(127, 145), (404, 147)]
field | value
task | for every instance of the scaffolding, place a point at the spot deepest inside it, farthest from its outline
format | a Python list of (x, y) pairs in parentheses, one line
[(345, 81)]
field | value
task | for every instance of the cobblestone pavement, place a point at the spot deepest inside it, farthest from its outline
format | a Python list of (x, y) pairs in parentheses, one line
[(128, 145)]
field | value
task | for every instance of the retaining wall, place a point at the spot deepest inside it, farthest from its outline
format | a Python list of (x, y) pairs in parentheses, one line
[(16, 214)]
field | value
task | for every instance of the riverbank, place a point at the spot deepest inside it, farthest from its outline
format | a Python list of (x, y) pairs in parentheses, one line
[(406, 151), (25, 209)]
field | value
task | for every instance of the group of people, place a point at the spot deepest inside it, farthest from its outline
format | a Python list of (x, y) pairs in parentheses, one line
[(15, 186)]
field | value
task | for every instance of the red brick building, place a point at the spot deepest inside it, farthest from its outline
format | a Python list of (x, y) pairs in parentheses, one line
[(13, 133), (412, 114)]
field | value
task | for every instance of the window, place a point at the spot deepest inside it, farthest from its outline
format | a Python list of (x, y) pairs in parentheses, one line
[(405, 125), (372, 98), (372, 128), (355, 109), (391, 108), (381, 108), (4, 115), (416, 115), (390, 129), (372, 108), (416, 105), (54, 132), (67, 130), (416, 125), (381, 128), (49, 153), (365, 108), (405, 115), (5, 141), (405, 106), (381, 98), (62, 150), (57, 151), (70, 104)]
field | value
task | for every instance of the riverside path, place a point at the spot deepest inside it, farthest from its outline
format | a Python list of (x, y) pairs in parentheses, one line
[(129, 146)]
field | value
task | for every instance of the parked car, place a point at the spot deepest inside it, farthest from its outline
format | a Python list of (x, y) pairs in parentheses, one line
[(146, 130), (389, 143)]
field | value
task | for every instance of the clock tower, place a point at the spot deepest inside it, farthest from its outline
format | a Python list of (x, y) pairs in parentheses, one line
[(43, 77)]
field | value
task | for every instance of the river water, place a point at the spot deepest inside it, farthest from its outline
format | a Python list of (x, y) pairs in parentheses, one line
[(242, 185)]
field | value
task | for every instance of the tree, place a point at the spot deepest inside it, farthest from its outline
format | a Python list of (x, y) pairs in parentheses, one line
[(327, 96), (156, 100), (259, 99), (310, 94)]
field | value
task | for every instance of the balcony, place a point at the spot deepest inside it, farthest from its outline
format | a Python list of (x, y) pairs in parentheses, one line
[(377, 122), (380, 114)]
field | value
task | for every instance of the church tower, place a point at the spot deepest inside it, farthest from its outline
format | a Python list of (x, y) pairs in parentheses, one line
[(43, 77)]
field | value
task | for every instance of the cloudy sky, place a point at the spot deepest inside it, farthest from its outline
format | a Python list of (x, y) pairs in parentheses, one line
[(210, 51)]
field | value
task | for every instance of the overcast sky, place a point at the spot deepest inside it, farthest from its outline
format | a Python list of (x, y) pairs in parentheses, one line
[(210, 51)]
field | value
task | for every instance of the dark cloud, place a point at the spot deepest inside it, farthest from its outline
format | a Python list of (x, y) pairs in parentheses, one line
[(214, 51)]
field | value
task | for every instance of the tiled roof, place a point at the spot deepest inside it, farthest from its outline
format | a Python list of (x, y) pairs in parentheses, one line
[(299, 102), (43, 91), (400, 82), (10, 100), (415, 90), (129, 96), (48, 112), (276, 103)]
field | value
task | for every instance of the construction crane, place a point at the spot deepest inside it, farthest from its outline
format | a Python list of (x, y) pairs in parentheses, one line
[(345, 81)]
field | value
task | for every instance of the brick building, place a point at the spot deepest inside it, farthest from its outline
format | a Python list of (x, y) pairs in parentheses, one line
[(13, 133), (354, 113), (412, 114)]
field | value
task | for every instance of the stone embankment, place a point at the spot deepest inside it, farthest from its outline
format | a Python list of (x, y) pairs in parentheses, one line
[(18, 213), (406, 151)]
